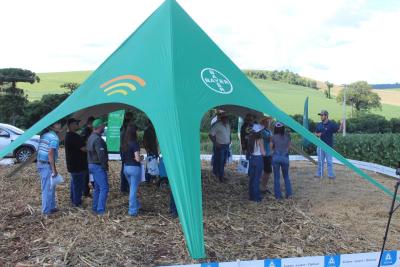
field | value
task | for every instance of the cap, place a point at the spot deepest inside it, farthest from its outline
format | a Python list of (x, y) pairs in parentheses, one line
[(323, 112), (97, 123), (278, 124), (72, 120), (257, 127)]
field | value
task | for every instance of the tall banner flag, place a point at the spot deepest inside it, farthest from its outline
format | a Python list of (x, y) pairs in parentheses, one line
[(305, 122), (115, 120)]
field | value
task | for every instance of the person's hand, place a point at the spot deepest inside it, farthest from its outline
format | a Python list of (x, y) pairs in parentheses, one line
[(217, 145), (54, 174)]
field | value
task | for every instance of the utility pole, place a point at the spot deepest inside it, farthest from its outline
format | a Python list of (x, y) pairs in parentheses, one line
[(344, 109)]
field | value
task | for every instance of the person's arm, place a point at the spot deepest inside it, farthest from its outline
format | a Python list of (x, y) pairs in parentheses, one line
[(262, 148), (212, 136), (101, 153), (52, 162), (271, 145), (318, 131)]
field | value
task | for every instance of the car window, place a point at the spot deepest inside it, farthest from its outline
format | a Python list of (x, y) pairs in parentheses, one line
[(15, 129), (4, 133)]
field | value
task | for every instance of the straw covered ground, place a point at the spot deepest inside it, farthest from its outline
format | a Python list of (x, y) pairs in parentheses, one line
[(344, 216)]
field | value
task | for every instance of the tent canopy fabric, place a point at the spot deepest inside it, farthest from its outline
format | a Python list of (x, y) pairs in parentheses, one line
[(170, 69)]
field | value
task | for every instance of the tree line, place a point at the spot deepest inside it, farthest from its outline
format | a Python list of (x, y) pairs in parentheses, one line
[(283, 76), (17, 110)]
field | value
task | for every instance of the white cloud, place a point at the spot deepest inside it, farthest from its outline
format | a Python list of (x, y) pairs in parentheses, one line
[(339, 41)]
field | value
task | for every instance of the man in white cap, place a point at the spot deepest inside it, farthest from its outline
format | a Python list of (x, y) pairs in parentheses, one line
[(325, 130)]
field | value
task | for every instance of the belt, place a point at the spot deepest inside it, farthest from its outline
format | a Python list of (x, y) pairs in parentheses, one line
[(44, 162)]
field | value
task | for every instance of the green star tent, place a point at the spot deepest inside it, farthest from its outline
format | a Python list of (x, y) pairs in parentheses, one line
[(170, 69)]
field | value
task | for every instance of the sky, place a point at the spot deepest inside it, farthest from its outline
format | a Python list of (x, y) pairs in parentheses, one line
[(340, 41)]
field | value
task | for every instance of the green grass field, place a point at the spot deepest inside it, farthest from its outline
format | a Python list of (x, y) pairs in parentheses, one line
[(290, 98)]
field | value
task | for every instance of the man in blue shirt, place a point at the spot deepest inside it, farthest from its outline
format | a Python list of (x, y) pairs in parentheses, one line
[(46, 164), (325, 130)]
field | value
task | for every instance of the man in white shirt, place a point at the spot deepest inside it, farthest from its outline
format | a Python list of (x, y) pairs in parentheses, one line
[(220, 135)]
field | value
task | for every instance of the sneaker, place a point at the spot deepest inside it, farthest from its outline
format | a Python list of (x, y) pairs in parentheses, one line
[(54, 210)]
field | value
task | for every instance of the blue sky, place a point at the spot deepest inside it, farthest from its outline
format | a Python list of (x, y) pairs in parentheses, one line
[(341, 41)]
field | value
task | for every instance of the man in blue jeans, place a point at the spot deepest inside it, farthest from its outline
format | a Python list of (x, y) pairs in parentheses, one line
[(220, 135), (98, 167), (325, 130), (46, 164), (76, 158)]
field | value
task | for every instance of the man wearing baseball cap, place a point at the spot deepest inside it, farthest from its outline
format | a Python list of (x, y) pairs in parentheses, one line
[(76, 158), (325, 130), (98, 166)]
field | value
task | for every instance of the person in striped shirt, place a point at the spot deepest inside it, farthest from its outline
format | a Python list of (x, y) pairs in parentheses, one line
[(46, 164)]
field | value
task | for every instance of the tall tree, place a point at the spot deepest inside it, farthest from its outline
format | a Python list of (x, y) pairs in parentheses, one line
[(71, 86), (329, 87), (12, 99), (360, 96)]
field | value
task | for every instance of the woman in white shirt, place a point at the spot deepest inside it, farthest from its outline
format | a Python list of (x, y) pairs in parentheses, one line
[(256, 152)]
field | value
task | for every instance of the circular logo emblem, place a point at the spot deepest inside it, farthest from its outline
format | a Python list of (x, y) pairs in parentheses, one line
[(216, 81)]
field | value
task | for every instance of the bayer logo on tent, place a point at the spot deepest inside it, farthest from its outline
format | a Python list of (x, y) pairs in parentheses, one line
[(216, 81)]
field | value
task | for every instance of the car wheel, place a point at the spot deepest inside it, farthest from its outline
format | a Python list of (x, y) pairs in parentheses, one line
[(23, 153)]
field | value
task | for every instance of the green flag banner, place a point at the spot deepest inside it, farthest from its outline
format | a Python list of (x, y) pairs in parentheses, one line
[(115, 120), (306, 143)]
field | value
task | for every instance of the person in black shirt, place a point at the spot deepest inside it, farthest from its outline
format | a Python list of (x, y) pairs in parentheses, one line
[(124, 188), (150, 140), (87, 131), (75, 155), (132, 168)]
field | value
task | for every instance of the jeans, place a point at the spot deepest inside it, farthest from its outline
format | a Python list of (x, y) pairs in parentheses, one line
[(124, 180), (133, 173), (85, 186), (100, 188), (256, 165), (220, 157), (76, 187), (48, 192), (322, 155), (281, 162)]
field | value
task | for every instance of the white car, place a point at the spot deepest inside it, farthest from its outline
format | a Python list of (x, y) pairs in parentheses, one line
[(9, 133)]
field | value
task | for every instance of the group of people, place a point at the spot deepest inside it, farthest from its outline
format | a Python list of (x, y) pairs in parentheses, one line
[(87, 160), (267, 151)]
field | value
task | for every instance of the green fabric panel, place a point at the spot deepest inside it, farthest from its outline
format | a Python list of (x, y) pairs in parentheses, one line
[(179, 139)]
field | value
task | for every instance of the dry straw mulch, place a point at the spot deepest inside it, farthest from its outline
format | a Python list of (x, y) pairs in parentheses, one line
[(344, 216)]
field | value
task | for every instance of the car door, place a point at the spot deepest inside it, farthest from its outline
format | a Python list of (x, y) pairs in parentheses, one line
[(5, 138)]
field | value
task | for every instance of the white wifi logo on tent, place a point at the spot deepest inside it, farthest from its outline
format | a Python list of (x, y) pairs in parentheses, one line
[(111, 87)]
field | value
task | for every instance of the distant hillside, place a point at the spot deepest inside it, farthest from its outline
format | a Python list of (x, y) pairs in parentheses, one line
[(288, 97)]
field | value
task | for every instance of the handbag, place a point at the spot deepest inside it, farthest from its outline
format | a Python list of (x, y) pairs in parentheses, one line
[(243, 165), (152, 165), (56, 180)]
